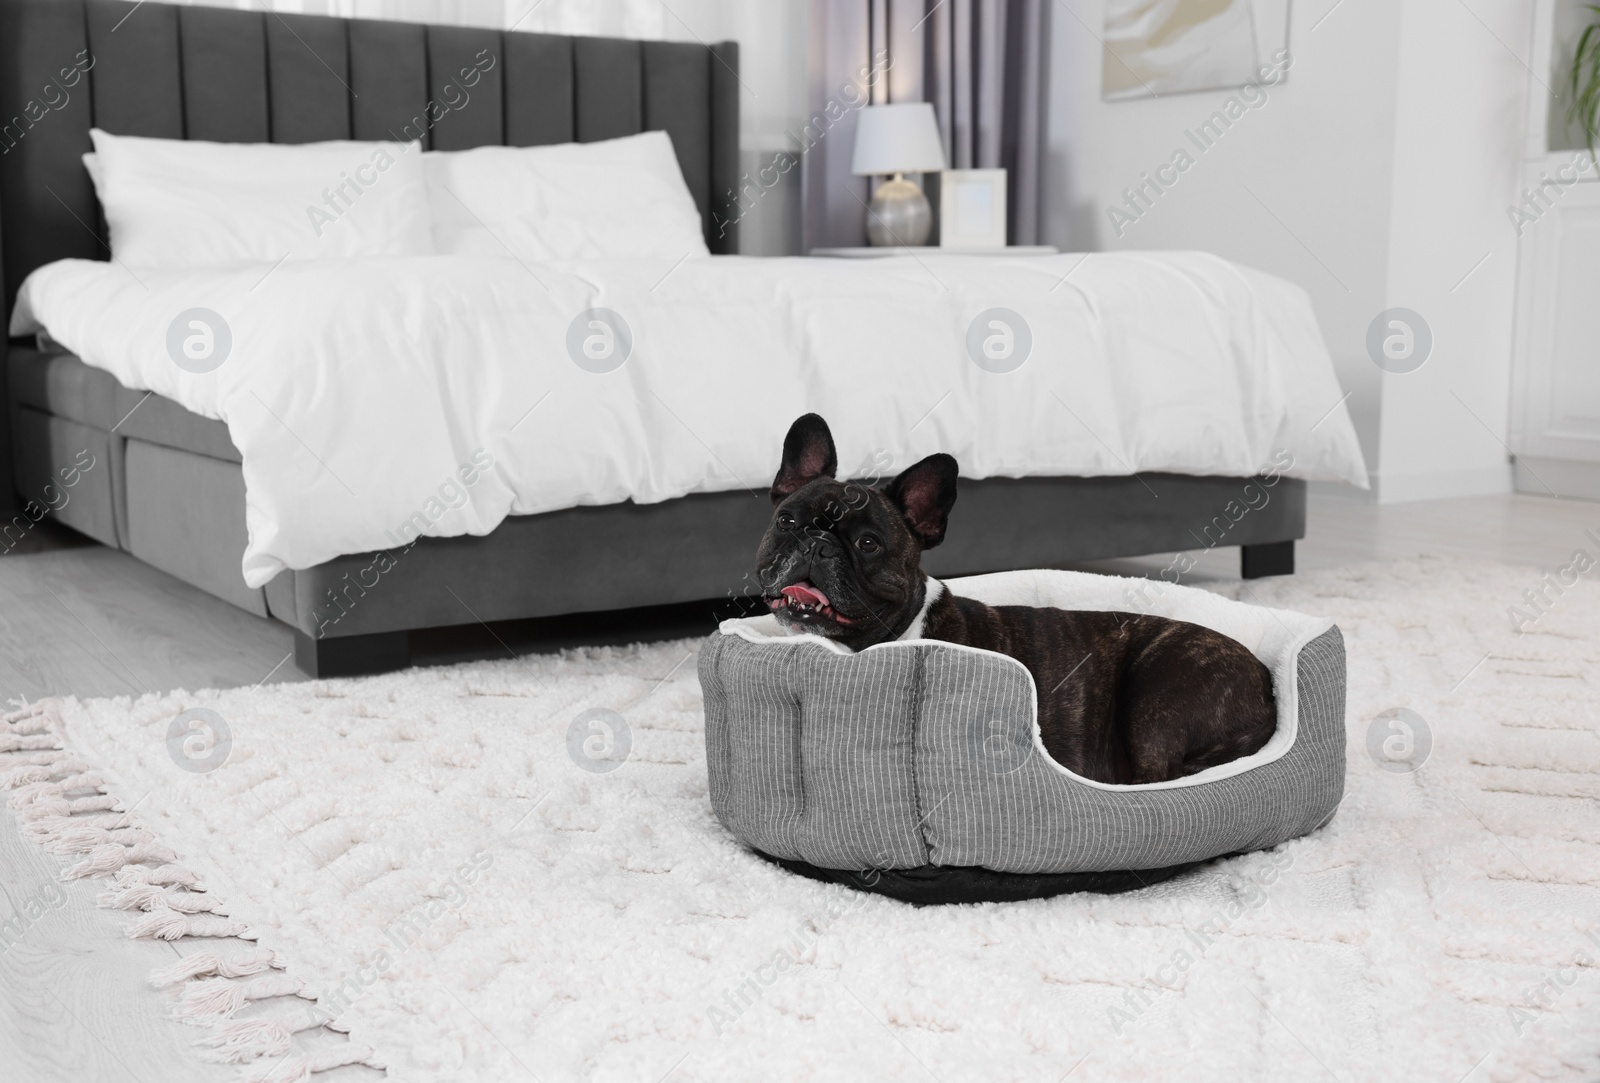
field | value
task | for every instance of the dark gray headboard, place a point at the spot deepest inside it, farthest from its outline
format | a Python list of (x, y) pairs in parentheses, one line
[(228, 75)]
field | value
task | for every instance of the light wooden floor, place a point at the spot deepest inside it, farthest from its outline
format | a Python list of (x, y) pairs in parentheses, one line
[(88, 621)]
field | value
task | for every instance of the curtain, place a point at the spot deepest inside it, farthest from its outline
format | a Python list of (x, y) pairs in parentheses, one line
[(980, 62)]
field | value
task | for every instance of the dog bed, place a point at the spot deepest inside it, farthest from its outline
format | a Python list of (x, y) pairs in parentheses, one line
[(915, 768)]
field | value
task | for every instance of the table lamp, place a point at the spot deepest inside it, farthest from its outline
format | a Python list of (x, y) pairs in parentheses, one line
[(898, 139)]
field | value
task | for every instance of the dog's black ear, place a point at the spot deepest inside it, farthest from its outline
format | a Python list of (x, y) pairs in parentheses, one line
[(807, 454), (925, 493)]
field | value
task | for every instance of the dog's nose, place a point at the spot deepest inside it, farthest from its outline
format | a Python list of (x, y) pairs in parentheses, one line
[(820, 544)]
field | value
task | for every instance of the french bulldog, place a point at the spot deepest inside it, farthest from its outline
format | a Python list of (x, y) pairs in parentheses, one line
[(1123, 697)]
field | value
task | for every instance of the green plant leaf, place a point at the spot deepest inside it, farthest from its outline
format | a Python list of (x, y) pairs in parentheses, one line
[(1585, 83)]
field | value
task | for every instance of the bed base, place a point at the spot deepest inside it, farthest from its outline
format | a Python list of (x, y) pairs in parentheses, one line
[(349, 656), (1268, 558), (382, 652), (167, 487)]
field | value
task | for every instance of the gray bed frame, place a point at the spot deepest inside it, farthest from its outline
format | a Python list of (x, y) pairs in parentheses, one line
[(166, 485)]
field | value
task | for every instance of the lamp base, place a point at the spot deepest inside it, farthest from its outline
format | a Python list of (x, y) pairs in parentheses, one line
[(899, 215)]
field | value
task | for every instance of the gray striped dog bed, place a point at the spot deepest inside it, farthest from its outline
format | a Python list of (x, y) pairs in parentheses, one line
[(922, 753)]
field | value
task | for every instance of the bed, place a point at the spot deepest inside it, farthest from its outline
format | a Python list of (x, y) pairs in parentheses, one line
[(169, 468)]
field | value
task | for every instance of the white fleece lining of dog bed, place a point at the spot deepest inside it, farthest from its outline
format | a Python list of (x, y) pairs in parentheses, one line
[(1275, 636)]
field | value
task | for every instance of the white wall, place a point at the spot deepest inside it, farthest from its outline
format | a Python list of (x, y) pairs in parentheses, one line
[(772, 37), (1461, 114), (1373, 176)]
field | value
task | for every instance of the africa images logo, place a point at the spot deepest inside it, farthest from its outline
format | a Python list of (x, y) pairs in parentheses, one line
[(999, 340), (599, 740), (199, 740), (1399, 340), (199, 340), (599, 340)]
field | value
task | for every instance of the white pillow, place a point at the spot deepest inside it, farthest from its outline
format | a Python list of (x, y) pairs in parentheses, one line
[(187, 203), (614, 199)]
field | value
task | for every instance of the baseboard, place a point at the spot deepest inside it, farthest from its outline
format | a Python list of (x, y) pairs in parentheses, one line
[(1441, 484), (1558, 477), (1342, 490)]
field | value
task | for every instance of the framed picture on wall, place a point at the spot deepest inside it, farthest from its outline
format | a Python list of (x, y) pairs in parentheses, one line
[(972, 208), (1155, 47)]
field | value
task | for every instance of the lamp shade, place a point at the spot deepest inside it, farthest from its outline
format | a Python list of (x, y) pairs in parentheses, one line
[(898, 138)]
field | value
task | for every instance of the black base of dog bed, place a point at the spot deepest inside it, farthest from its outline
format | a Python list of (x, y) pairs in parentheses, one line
[(937, 885)]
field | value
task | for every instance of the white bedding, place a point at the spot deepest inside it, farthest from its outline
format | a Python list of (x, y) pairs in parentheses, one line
[(185, 202), (361, 392)]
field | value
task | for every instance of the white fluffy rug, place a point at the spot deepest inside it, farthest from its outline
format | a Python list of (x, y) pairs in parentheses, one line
[(571, 924)]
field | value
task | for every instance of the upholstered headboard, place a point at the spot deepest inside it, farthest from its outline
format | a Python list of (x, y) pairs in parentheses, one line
[(228, 75)]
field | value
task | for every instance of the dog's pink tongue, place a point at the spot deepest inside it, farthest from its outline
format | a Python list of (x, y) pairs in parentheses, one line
[(805, 594)]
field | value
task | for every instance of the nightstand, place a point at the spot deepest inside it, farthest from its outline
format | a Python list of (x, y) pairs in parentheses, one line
[(936, 250)]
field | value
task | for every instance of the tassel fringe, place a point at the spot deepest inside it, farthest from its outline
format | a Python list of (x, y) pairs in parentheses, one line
[(111, 857), (232, 1043), (171, 924), (43, 783), (300, 1069), (15, 742), (212, 1000), (208, 964), (164, 875), (34, 766), (153, 897), (50, 805), (34, 719), (62, 803), (85, 838)]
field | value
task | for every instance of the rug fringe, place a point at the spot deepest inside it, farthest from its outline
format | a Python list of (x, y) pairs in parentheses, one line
[(86, 838), (145, 876), (31, 783), (44, 805), (300, 1069), (31, 720), (210, 1001), (232, 1043), (155, 897), (49, 831), (113, 856), (34, 766), (208, 964), (161, 874), (25, 742), (172, 924)]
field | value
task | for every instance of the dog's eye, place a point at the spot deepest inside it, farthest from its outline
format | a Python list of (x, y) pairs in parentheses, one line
[(868, 544), (785, 521)]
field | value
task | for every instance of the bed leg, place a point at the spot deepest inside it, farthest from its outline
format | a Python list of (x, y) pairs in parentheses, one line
[(348, 656), (1271, 558)]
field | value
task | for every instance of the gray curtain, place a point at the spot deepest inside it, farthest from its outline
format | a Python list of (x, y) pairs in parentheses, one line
[(980, 62)]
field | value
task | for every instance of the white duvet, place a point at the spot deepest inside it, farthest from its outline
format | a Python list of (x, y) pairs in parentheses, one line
[(375, 398)]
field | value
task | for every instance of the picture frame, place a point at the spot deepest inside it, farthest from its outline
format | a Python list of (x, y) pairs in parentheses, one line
[(972, 208), (1159, 47)]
